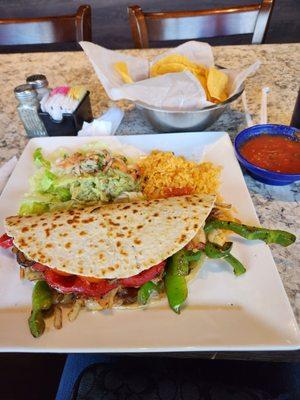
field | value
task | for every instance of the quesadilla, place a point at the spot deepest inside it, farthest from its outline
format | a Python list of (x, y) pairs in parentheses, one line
[(111, 241), (106, 251), (121, 254)]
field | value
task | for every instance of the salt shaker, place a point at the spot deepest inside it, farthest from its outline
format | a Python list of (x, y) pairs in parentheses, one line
[(28, 110), (40, 83)]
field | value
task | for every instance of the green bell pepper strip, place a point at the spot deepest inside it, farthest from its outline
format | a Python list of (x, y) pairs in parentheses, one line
[(178, 264), (252, 232), (213, 250), (237, 266), (145, 292), (174, 280), (192, 256), (178, 267), (176, 289), (42, 300), (36, 323)]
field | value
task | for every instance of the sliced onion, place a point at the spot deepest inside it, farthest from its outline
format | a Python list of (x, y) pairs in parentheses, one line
[(68, 299), (57, 321), (57, 297), (14, 250), (223, 205), (111, 295), (49, 313), (73, 313), (60, 298), (23, 260), (22, 273), (33, 275), (92, 305)]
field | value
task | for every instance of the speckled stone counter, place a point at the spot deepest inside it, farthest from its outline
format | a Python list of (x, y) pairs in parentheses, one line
[(277, 207)]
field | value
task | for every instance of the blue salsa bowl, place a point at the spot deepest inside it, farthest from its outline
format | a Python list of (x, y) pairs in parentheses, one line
[(261, 174)]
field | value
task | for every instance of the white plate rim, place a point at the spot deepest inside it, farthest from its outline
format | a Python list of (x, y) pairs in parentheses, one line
[(291, 346)]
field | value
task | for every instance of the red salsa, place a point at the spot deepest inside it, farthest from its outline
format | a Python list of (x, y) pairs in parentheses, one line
[(274, 153)]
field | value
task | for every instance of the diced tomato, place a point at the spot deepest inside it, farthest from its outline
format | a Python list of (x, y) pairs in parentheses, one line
[(6, 241), (172, 192), (78, 285), (143, 277)]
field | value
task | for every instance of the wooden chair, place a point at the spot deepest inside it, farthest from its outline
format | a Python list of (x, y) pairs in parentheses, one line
[(183, 25), (47, 30)]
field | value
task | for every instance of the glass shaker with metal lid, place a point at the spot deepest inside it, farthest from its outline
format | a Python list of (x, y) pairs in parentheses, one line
[(40, 83), (28, 110)]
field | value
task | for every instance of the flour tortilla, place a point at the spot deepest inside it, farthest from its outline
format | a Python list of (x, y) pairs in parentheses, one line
[(111, 241)]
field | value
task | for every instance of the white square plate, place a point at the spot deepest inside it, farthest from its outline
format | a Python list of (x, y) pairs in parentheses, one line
[(224, 312)]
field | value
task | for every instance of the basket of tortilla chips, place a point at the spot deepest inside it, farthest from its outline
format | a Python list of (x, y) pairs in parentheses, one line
[(181, 89)]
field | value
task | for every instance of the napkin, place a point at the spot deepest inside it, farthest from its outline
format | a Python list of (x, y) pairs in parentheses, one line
[(5, 171), (107, 124), (176, 91)]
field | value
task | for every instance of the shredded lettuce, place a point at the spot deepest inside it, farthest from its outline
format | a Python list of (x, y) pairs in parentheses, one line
[(62, 193), (54, 188), (93, 146), (40, 160), (46, 182), (29, 208)]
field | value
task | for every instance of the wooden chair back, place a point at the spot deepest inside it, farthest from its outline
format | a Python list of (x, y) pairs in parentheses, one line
[(47, 30), (183, 25)]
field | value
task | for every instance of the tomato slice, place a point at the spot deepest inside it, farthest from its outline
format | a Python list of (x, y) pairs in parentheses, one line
[(172, 192), (61, 272), (91, 279), (6, 241), (39, 267), (78, 285), (93, 287), (143, 277)]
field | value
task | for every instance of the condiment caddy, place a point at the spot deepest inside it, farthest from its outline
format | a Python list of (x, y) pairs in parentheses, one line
[(57, 112)]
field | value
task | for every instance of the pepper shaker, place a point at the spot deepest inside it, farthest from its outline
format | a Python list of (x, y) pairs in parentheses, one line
[(28, 110), (40, 83)]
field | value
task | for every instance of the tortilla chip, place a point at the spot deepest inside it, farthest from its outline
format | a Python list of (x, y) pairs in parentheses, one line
[(216, 84), (122, 69), (203, 82), (176, 63)]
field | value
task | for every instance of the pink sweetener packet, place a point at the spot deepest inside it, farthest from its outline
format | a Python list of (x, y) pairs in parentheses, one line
[(64, 90)]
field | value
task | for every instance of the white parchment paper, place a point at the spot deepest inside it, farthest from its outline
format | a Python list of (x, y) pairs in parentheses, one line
[(174, 91)]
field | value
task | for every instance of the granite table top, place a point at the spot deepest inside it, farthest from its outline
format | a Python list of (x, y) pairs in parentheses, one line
[(277, 207)]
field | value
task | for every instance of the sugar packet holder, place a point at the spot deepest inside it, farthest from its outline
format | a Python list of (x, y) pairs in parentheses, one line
[(66, 123)]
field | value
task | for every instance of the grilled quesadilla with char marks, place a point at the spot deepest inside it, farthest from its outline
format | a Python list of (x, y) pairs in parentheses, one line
[(103, 255)]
